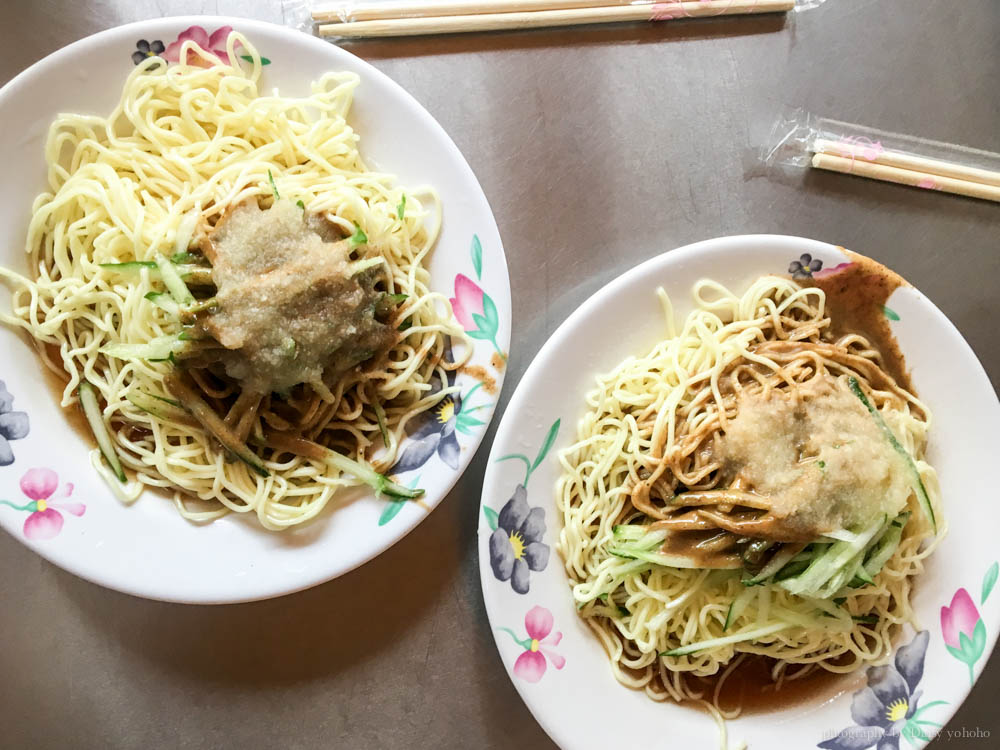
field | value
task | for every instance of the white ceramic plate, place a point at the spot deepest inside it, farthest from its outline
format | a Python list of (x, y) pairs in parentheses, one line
[(148, 549), (576, 699)]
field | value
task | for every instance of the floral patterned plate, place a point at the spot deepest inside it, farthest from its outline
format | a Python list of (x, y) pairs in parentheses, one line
[(52, 500), (555, 661)]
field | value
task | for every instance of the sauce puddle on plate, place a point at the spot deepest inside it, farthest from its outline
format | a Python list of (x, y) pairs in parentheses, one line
[(751, 688)]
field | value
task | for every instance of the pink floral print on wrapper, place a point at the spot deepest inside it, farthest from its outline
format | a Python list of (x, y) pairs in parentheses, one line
[(538, 646), (46, 520), (214, 43)]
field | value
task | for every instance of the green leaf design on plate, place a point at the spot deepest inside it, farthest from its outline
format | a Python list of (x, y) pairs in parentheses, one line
[(957, 653), (477, 256), (529, 465), (491, 517), (393, 507), (547, 445), (401, 208), (491, 313), (249, 59), (979, 639), (390, 512), (989, 582), (914, 734), (890, 313)]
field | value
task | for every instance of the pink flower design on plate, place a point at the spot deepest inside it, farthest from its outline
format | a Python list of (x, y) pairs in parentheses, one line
[(538, 651), (831, 271), (46, 520), (963, 630), (468, 301), (214, 43)]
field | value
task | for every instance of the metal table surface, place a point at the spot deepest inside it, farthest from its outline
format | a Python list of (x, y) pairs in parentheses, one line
[(598, 148)]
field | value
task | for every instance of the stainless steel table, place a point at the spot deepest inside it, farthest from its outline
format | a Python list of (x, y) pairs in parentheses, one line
[(598, 148)]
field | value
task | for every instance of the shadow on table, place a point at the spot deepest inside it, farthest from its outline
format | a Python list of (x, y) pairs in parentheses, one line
[(310, 634), (636, 33)]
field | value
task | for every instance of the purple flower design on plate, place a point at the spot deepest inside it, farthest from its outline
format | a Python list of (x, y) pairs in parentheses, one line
[(516, 544), (434, 431), (889, 707), (144, 49), (804, 267), (14, 425)]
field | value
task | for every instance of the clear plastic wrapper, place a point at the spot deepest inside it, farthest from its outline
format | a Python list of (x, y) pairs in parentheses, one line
[(310, 15), (801, 140)]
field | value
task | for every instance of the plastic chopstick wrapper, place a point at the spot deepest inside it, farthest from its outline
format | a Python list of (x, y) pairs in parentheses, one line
[(802, 140), (351, 19)]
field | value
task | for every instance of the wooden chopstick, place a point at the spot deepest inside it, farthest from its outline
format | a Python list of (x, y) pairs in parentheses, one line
[(911, 177), (661, 11), (382, 11), (903, 160)]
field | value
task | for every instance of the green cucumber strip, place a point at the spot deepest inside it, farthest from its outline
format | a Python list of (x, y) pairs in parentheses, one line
[(173, 282), (157, 349), (628, 533), (185, 231), (918, 483), (158, 410), (738, 606), (132, 265), (885, 548), (668, 561), (363, 265), (212, 422), (165, 302), (379, 482), (746, 635), (829, 563), (794, 568), (191, 272), (92, 411), (781, 558), (382, 428)]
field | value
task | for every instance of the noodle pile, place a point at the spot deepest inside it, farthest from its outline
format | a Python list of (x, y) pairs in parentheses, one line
[(652, 422), (185, 143)]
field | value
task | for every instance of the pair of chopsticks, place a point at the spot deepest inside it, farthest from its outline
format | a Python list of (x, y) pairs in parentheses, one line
[(409, 18), (905, 169)]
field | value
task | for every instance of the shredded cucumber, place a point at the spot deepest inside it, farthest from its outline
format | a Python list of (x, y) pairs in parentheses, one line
[(738, 606), (831, 562), (165, 302), (155, 350), (155, 405), (746, 635), (886, 546), (918, 483), (647, 546), (781, 558), (92, 411), (173, 282)]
